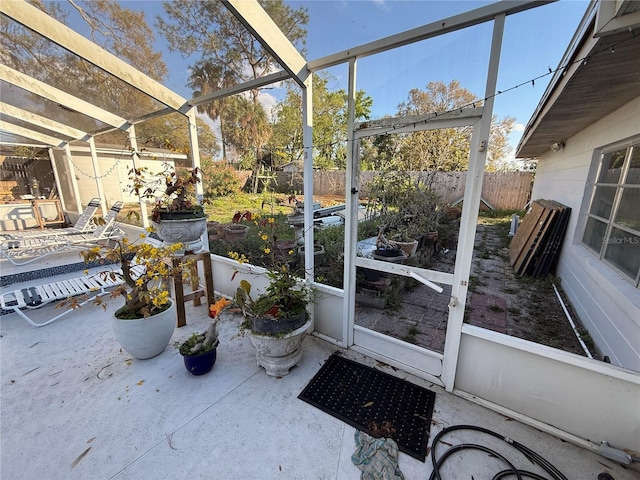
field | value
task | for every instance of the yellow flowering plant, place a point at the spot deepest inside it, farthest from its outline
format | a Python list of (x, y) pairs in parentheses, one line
[(142, 277)]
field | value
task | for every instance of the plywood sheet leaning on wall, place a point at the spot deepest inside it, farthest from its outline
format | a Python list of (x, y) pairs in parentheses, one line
[(535, 247)]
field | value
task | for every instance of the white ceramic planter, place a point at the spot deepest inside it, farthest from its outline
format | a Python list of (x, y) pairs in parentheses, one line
[(187, 231), (279, 354), (146, 337)]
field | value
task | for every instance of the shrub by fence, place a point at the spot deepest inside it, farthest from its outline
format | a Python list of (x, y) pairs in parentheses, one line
[(502, 190)]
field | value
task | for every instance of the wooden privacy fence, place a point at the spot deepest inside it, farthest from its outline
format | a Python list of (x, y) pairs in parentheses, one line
[(501, 190)]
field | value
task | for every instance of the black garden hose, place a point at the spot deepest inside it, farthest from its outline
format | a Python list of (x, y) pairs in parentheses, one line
[(511, 471)]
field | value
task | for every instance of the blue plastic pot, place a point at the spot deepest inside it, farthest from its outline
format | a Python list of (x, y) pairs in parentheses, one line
[(200, 364)]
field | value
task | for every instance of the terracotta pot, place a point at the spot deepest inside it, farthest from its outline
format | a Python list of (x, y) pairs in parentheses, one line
[(233, 233), (410, 248), (283, 247)]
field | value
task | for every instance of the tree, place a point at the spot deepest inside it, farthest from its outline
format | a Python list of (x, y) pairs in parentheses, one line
[(329, 124), (446, 149), (228, 55), (123, 32)]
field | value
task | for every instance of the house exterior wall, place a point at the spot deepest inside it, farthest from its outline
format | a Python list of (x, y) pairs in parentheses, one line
[(114, 171), (607, 304)]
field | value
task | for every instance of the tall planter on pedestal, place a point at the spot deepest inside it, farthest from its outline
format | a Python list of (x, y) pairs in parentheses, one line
[(276, 322), (177, 216), (278, 353), (178, 227)]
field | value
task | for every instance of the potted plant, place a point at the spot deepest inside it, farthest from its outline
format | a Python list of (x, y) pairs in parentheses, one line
[(276, 320), (199, 351), (407, 208), (145, 323), (177, 215), (236, 231)]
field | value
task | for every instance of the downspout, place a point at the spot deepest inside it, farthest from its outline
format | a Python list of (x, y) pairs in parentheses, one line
[(573, 325)]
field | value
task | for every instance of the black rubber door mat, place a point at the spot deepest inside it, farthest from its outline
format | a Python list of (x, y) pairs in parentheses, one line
[(374, 402)]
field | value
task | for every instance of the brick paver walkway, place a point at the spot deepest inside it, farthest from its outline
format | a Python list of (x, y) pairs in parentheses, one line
[(421, 316)]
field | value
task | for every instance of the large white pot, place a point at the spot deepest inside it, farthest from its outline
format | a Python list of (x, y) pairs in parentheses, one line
[(279, 354), (186, 231), (146, 337)]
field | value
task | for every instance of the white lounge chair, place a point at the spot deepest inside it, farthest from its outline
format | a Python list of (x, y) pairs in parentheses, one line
[(33, 249), (30, 298), (84, 224)]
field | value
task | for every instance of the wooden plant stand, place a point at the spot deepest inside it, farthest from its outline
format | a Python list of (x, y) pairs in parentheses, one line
[(198, 290)]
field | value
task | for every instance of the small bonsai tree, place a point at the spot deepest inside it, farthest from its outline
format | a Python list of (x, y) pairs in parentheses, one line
[(179, 194)]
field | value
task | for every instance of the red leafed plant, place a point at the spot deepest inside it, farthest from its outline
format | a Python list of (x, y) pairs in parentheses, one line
[(239, 216)]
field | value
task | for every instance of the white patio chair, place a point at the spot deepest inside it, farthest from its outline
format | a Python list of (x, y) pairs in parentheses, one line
[(34, 249), (84, 224), (29, 298)]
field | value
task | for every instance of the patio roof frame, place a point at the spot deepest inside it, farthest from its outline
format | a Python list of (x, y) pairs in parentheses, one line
[(499, 10)]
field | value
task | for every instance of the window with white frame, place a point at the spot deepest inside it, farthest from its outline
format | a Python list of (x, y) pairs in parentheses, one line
[(612, 229)]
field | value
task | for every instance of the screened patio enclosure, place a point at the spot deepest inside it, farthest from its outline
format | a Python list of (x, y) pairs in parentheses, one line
[(557, 392)]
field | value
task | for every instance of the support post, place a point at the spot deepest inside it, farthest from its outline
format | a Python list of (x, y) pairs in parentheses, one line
[(307, 176), (195, 163), (469, 220), (351, 207), (133, 142), (72, 177), (96, 173), (56, 178)]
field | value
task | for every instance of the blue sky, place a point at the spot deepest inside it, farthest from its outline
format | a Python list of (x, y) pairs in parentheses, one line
[(534, 41)]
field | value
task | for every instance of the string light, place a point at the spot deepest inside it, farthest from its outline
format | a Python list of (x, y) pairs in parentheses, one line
[(584, 60)]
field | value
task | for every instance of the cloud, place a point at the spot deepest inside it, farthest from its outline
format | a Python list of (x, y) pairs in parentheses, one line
[(518, 127), (267, 101)]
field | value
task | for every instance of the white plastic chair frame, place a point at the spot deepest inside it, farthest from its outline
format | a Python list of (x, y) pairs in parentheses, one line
[(37, 248)]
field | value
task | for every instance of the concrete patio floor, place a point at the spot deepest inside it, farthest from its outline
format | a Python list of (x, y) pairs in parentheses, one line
[(75, 406)]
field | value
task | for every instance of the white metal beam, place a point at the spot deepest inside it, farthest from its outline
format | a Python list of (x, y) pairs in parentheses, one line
[(38, 21), (133, 141), (40, 121), (418, 123), (451, 24), (243, 87), (53, 94), (30, 145), (47, 140), (351, 208), (307, 181), (469, 220), (97, 175), (72, 176), (263, 28), (192, 127), (56, 178)]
